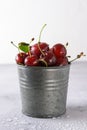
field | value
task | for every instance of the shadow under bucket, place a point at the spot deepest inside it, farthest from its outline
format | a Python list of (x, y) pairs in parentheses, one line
[(43, 90)]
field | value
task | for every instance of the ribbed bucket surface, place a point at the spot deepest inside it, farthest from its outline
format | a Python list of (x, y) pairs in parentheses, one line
[(43, 90)]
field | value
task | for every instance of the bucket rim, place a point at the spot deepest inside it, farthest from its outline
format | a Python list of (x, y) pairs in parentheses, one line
[(43, 67)]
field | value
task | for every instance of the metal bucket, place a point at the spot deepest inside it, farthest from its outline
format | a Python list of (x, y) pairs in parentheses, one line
[(43, 90)]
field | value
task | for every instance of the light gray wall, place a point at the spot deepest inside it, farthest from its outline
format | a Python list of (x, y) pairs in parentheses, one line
[(20, 20)]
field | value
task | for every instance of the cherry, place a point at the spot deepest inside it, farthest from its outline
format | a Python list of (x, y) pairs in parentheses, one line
[(61, 61), (39, 48), (20, 58), (48, 58), (59, 50), (51, 49), (31, 60)]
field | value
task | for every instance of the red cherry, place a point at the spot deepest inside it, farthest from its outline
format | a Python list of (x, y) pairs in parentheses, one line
[(20, 58), (59, 50), (31, 60), (38, 48), (51, 49), (49, 58), (61, 61)]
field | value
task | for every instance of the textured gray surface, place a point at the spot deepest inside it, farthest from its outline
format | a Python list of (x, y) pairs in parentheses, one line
[(11, 117)]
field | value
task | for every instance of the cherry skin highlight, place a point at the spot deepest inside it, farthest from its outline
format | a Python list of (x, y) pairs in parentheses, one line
[(31, 60)]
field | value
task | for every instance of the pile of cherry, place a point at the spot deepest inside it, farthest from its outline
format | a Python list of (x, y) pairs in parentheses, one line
[(40, 54)]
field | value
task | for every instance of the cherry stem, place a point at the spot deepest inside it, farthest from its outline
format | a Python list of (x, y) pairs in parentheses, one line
[(14, 44), (41, 50), (41, 32), (44, 62), (30, 53), (40, 38), (32, 39), (78, 56), (73, 59), (66, 44), (68, 56)]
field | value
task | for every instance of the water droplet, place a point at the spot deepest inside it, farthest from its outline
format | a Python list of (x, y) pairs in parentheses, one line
[(9, 120), (33, 126), (58, 117), (21, 129), (59, 123), (23, 122), (68, 116), (15, 118), (39, 126), (67, 125), (15, 123), (54, 118)]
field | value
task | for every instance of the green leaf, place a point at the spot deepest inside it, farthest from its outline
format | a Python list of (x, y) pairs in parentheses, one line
[(24, 47)]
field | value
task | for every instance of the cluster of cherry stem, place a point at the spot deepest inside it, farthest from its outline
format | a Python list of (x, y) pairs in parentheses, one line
[(32, 39)]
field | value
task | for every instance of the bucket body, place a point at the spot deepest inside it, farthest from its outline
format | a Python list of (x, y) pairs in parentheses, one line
[(43, 90)]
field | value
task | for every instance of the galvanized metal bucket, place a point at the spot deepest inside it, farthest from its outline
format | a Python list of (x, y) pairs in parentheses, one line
[(43, 90)]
